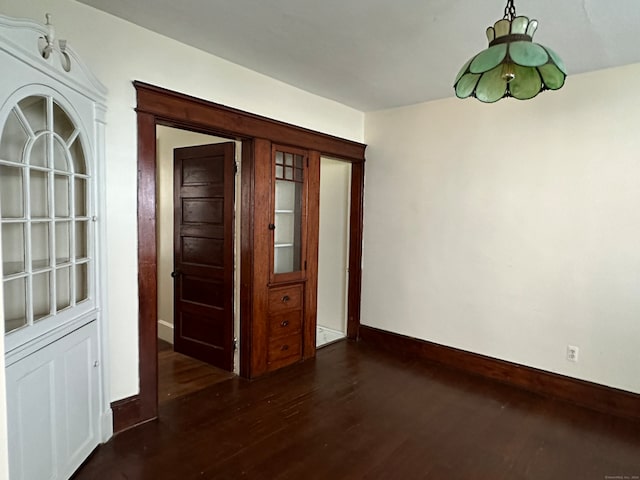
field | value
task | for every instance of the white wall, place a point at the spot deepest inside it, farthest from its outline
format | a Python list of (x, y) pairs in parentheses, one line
[(333, 255), (118, 53), (511, 229)]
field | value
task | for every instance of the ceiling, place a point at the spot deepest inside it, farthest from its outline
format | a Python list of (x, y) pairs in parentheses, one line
[(376, 54)]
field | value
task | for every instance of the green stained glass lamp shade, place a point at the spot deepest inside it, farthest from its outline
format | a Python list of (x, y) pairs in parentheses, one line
[(512, 66)]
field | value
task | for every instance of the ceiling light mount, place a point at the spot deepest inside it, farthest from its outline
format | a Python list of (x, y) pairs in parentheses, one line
[(512, 66)]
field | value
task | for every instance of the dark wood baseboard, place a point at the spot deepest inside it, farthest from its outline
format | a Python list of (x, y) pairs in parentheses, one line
[(580, 392), (127, 413)]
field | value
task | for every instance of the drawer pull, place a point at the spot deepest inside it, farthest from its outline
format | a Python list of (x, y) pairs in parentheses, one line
[(285, 347), (285, 299), (284, 323)]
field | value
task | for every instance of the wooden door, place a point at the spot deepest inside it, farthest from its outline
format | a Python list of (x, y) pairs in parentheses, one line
[(203, 252)]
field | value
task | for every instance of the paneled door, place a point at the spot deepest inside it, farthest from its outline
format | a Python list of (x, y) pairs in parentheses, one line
[(203, 252)]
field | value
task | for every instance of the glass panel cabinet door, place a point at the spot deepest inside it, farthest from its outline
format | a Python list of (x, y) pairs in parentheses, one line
[(289, 214), (44, 213)]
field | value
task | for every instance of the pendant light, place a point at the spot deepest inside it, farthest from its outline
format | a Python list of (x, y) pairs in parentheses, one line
[(512, 66)]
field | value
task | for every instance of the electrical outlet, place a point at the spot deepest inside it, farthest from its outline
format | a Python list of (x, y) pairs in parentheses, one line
[(572, 353)]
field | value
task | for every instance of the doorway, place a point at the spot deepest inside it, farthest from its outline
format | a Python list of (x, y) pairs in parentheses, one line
[(181, 371), (333, 250), (157, 106)]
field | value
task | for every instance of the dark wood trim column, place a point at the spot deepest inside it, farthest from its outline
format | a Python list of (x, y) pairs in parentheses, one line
[(260, 274), (147, 266), (355, 249), (313, 231), (247, 209)]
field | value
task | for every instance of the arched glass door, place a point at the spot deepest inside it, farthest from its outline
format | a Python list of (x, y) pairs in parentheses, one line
[(45, 205)]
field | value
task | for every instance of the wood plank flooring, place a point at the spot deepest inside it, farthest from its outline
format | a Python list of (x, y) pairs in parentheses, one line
[(356, 412), (179, 375)]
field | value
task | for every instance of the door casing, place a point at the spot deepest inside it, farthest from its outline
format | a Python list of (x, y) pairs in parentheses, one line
[(158, 106)]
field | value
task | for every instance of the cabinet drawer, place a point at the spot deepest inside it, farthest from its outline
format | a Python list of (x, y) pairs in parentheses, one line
[(284, 351), (285, 323), (285, 298)]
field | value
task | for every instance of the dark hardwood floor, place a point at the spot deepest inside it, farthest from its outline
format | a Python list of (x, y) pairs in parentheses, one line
[(179, 375), (356, 412)]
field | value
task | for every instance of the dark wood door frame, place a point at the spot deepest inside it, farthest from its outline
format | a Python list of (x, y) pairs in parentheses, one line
[(158, 106)]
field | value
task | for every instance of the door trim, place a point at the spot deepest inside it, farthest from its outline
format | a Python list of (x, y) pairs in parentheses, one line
[(158, 106)]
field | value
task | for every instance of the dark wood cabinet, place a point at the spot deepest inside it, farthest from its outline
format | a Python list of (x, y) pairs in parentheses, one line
[(285, 325), (290, 267), (285, 256)]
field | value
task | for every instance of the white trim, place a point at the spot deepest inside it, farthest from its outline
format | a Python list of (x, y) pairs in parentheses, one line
[(29, 32), (106, 424), (100, 267), (165, 331)]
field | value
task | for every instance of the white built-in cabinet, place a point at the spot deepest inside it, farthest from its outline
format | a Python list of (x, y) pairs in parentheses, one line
[(51, 161)]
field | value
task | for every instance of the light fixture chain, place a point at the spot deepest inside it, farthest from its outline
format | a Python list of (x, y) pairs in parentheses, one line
[(510, 11)]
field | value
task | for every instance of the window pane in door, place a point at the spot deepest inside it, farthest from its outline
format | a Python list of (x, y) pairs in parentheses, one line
[(82, 283), (288, 223), (63, 242), (11, 192), (60, 156), (15, 304), (61, 200), (40, 245), (77, 157), (284, 228), (62, 124), (80, 197), (39, 193), (41, 296), (35, 111), (39, 152), (13, 248), (81, 240), (63, 288), (13, 140), (283, 259), (285, 195)]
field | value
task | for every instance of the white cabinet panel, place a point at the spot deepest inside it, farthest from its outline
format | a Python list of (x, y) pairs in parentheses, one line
[(53, 407), (32, 421), (81, 399)]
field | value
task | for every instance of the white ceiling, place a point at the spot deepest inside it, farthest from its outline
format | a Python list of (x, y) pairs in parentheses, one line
[(376, 54)]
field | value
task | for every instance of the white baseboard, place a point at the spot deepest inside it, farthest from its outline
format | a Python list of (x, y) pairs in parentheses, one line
[(165, 331)]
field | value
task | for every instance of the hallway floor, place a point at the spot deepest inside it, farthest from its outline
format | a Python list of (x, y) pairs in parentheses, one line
[(179, 375)]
